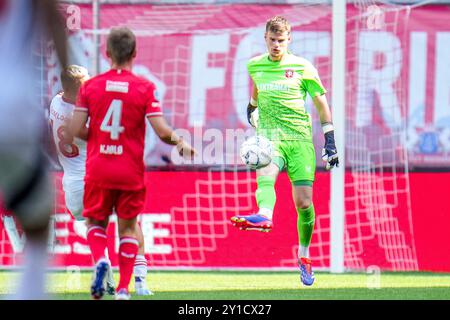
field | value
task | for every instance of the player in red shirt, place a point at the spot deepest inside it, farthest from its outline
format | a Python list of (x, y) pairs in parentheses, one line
[(117, 104)]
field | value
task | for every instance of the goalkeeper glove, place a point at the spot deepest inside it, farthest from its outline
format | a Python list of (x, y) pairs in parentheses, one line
[(329, 152), (252, 115)]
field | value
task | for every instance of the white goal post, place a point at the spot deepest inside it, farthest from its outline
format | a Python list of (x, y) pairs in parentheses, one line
[(337, 196)]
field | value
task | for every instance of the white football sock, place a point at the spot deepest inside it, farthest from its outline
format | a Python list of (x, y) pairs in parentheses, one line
[(140, 270), (303, 252)]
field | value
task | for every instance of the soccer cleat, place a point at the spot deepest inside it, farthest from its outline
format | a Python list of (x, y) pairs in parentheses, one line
[(306, 273), (98, 284), (123, 294), (254, 222), (141, 287), (144, 292), (110, 288), (110, 283)]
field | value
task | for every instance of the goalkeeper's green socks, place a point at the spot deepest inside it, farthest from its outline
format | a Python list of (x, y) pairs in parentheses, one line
[(266, 196), (305, 227)]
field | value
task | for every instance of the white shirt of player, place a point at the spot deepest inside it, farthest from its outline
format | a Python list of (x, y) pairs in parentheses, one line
[(71, 156)]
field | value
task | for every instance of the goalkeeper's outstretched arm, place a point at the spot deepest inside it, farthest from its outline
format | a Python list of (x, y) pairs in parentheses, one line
[(329, 151)]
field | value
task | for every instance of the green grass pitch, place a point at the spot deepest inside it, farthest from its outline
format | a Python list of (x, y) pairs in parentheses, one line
[(224, 285)]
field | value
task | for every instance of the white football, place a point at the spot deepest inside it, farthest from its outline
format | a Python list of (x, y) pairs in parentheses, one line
[(256, 152)]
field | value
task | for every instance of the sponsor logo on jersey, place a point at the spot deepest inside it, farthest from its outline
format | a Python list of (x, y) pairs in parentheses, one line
[(117, 86), (272, 87)]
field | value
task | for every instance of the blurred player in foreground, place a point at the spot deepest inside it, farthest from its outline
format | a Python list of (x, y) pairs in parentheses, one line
[(117, 104), (281, 83), (25, 184), (72, 157)]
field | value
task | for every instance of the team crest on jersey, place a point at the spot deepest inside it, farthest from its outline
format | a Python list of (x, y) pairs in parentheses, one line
[(289, 73)]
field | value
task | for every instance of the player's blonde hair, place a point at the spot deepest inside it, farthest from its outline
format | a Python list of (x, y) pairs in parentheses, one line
[(72, 76), (121, 45), (278, 24)]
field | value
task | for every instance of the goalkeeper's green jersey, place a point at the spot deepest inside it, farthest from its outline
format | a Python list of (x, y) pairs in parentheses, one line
[(282, 88)]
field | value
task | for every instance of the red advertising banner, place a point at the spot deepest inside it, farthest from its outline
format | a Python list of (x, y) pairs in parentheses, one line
[(186, 225)]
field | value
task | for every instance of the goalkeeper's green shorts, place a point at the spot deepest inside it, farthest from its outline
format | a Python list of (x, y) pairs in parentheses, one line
[(299, 158)]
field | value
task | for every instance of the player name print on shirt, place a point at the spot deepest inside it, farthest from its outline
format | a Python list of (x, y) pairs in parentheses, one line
[(117, 86), (59, 116), (111, 149)]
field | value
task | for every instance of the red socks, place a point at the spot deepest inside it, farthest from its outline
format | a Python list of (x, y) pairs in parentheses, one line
[(128, 250), (96, 239)]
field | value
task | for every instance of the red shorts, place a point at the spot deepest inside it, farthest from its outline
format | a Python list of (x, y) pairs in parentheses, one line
[(99, 203)]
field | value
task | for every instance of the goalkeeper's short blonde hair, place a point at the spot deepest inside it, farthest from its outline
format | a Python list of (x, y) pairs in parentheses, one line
[(278, 24), (72, 76)]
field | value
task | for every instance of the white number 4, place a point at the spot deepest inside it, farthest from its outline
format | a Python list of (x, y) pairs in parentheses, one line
[(113, 115)]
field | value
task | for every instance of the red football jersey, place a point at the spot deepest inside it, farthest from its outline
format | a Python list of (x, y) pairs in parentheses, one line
[(117, 103)]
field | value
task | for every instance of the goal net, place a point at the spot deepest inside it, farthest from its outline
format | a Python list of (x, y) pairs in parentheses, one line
[(196, 54)]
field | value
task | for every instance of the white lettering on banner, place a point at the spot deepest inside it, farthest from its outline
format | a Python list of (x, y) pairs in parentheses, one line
[(417, 77), (442, 82), (204, 77), (80, 229), (379, 79), (61, 231), (417, 86), (151, 233), (17, 241)]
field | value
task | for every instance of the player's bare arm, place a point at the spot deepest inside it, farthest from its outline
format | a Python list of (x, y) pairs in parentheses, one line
[(49, 13), (168, 135), (323, 109), (329, 152), (77, 126)]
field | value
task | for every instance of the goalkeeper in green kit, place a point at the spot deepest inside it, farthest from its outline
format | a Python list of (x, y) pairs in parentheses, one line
[(281, 82)]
